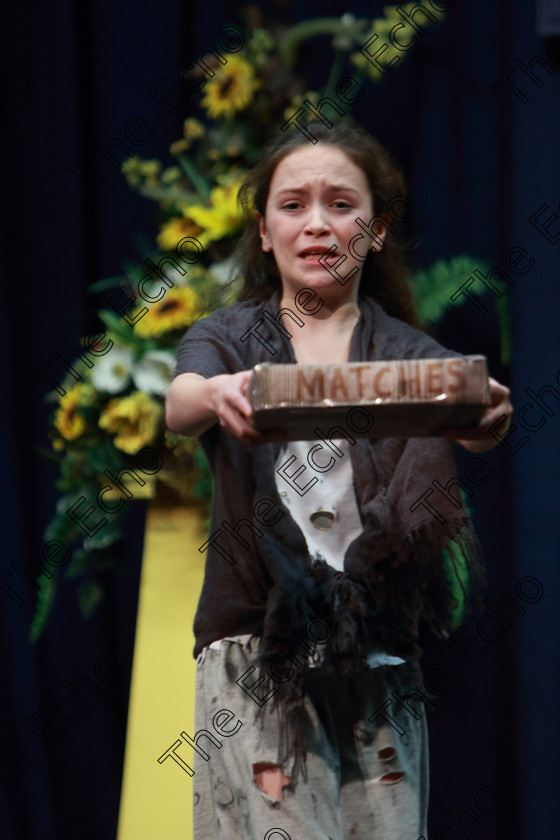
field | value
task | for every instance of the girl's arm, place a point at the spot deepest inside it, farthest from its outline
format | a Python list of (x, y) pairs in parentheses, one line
[(193, 404)]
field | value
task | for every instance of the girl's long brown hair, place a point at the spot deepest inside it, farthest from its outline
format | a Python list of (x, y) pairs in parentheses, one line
[(384, 272)]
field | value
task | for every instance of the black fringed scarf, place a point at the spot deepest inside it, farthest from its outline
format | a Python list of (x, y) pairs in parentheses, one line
[(260, 579)]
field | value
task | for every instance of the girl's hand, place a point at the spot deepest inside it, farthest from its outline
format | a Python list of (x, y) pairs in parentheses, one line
[(235, 412), (477, 438)]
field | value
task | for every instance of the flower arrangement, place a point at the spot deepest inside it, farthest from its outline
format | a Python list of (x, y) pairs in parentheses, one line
[(102, 422)]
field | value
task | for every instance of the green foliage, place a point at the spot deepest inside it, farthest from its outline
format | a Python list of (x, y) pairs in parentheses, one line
[(43, 608), (433, 287), (458, 576), (119, 329), (90, 594), (503, 308), (458, 573)]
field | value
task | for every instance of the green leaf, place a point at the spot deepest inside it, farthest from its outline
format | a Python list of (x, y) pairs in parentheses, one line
[(503, 309), (144, 246), (62, 528), (43, 607), (78, 565), (458, 575), (105, 537), (104, 456), (107, 283), (119, 328), (196, 178), (90, 594)]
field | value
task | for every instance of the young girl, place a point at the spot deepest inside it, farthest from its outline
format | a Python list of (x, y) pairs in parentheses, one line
[(323, 556)]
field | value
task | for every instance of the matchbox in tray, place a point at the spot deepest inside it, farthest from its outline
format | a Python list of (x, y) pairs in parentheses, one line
[(400, 398)]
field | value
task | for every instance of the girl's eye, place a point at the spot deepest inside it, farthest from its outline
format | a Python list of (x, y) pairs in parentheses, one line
[(342, 205), (291, 205)]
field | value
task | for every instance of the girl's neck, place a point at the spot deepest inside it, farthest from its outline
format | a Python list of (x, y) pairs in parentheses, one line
[(338, 313)]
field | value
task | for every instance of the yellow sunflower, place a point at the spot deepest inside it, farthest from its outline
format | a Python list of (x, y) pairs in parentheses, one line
[(176, 229), (231, 89), (67, 419), (222, 218), (177, 309), (134, 420)]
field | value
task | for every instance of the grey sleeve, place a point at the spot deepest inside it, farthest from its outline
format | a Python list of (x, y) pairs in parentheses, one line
[(204, 349)]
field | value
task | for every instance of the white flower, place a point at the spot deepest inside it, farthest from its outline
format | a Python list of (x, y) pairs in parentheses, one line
[(112, 371), (154, 372), (223, 271), (344, 39)]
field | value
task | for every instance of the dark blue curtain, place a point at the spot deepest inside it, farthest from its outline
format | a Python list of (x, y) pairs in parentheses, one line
[(472, 115)]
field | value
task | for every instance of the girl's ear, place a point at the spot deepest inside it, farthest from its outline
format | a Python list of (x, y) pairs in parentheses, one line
[(265, 239), (380, 232)]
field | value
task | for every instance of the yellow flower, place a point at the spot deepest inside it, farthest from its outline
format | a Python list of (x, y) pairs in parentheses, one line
[(150, 170), (222, 218), (176, 229), (233, 149), (231, 89), (67, 419), (179, 146), (296, 103), (193, 129), (260, 46), (129, 168), (136, 170), (134, 420), (180, 445), (382, 27), (177, 309), (171, 175)]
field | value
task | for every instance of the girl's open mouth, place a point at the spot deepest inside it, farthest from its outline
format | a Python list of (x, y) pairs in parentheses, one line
[(318, 256)]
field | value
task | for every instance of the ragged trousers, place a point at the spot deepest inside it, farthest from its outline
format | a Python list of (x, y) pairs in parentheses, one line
[(366, 773)]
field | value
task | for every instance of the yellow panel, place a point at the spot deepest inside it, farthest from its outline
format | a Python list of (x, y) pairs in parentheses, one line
[(156, 800)]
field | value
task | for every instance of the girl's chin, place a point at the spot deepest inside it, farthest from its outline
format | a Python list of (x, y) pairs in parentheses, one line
[(319, 283)]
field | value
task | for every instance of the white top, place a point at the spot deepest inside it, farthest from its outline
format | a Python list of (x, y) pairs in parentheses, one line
[(325, 509)]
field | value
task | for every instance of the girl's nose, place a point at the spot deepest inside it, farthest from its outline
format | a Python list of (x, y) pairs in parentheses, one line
[(317, 220)]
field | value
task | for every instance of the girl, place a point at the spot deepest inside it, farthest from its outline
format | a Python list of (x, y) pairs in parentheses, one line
[(322, 557)]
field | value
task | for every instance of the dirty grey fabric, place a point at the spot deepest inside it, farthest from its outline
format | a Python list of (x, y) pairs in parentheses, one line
[(341, 794)]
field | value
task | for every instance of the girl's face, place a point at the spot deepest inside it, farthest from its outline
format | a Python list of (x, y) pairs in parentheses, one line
[(316, 195)]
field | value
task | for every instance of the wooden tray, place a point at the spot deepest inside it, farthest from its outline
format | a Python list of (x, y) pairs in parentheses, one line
[(402, 398)]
